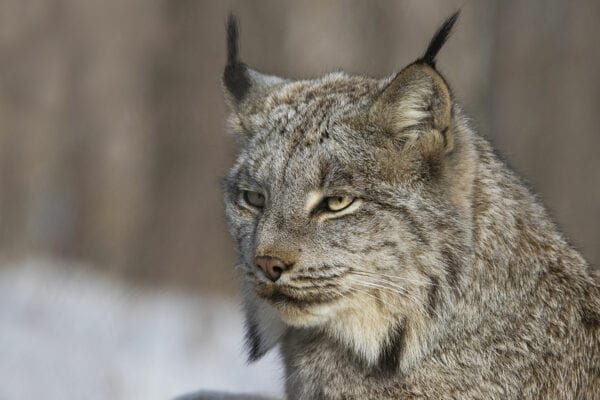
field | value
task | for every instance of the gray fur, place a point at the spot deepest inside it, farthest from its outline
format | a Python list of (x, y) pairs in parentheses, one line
[(446, 279)]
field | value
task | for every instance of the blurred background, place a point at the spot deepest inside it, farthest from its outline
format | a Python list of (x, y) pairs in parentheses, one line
[(116, 271)]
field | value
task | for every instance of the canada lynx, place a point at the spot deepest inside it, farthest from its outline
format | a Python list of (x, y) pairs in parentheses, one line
[(391, 253)]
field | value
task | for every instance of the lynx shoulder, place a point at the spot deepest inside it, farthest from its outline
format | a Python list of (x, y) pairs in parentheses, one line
[(390, 253)]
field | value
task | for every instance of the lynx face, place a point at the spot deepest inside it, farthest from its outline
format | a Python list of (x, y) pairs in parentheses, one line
[(301, 157), (343, 201)]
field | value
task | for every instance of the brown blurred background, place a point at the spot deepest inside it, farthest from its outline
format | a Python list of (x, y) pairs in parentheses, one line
[(112, 143)]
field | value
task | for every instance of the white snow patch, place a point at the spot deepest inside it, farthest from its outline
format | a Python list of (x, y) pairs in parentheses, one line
[(66, 333)]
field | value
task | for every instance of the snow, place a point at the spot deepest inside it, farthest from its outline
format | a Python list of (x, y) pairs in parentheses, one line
[(66, 333)]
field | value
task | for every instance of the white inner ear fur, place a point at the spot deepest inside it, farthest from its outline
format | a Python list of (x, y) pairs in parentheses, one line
[(411, 109)]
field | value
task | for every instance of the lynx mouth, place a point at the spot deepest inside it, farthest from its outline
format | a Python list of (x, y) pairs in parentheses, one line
[(284, 295)]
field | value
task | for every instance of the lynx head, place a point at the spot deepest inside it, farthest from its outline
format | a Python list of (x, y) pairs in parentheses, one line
[(348, 203)]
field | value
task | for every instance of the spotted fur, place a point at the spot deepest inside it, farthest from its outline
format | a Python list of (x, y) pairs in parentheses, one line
[(445, 279)]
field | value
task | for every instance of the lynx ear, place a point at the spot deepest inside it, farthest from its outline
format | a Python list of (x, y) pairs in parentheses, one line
[(239, 81), (417, 102), (264, 327)]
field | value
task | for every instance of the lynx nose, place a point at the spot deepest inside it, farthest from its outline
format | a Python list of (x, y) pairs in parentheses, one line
[(273, 267)]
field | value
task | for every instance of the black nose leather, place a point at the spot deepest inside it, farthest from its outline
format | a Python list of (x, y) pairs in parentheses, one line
[(272, 267)]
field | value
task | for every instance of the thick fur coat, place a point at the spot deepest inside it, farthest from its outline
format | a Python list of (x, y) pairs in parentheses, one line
[(441, 277)]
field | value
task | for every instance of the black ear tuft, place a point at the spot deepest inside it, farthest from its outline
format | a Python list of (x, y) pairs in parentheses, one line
[(438, 41), (235, 75), (232, 40)]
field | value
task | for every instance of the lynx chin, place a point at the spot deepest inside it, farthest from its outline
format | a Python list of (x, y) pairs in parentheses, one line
[(388, 251)]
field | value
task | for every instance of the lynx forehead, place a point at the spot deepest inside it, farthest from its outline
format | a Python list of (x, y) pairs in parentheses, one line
[(306, 110), (390, 252)]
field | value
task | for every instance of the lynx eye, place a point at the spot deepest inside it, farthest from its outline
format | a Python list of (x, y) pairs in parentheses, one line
[(338, 203), (254, 199)]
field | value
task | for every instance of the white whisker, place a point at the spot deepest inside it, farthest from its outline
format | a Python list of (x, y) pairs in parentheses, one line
[(380, 275), (383, 285)]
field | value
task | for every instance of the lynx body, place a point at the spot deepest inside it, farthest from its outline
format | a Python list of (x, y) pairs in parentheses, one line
[(390, 253)]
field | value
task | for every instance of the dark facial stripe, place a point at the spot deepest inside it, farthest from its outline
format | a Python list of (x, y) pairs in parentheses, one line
[(386, 244), (323, 172), (342, 244), (453, 268), (391, 352), (340, 178), (294, 145), (415, 227), (433, 297)]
